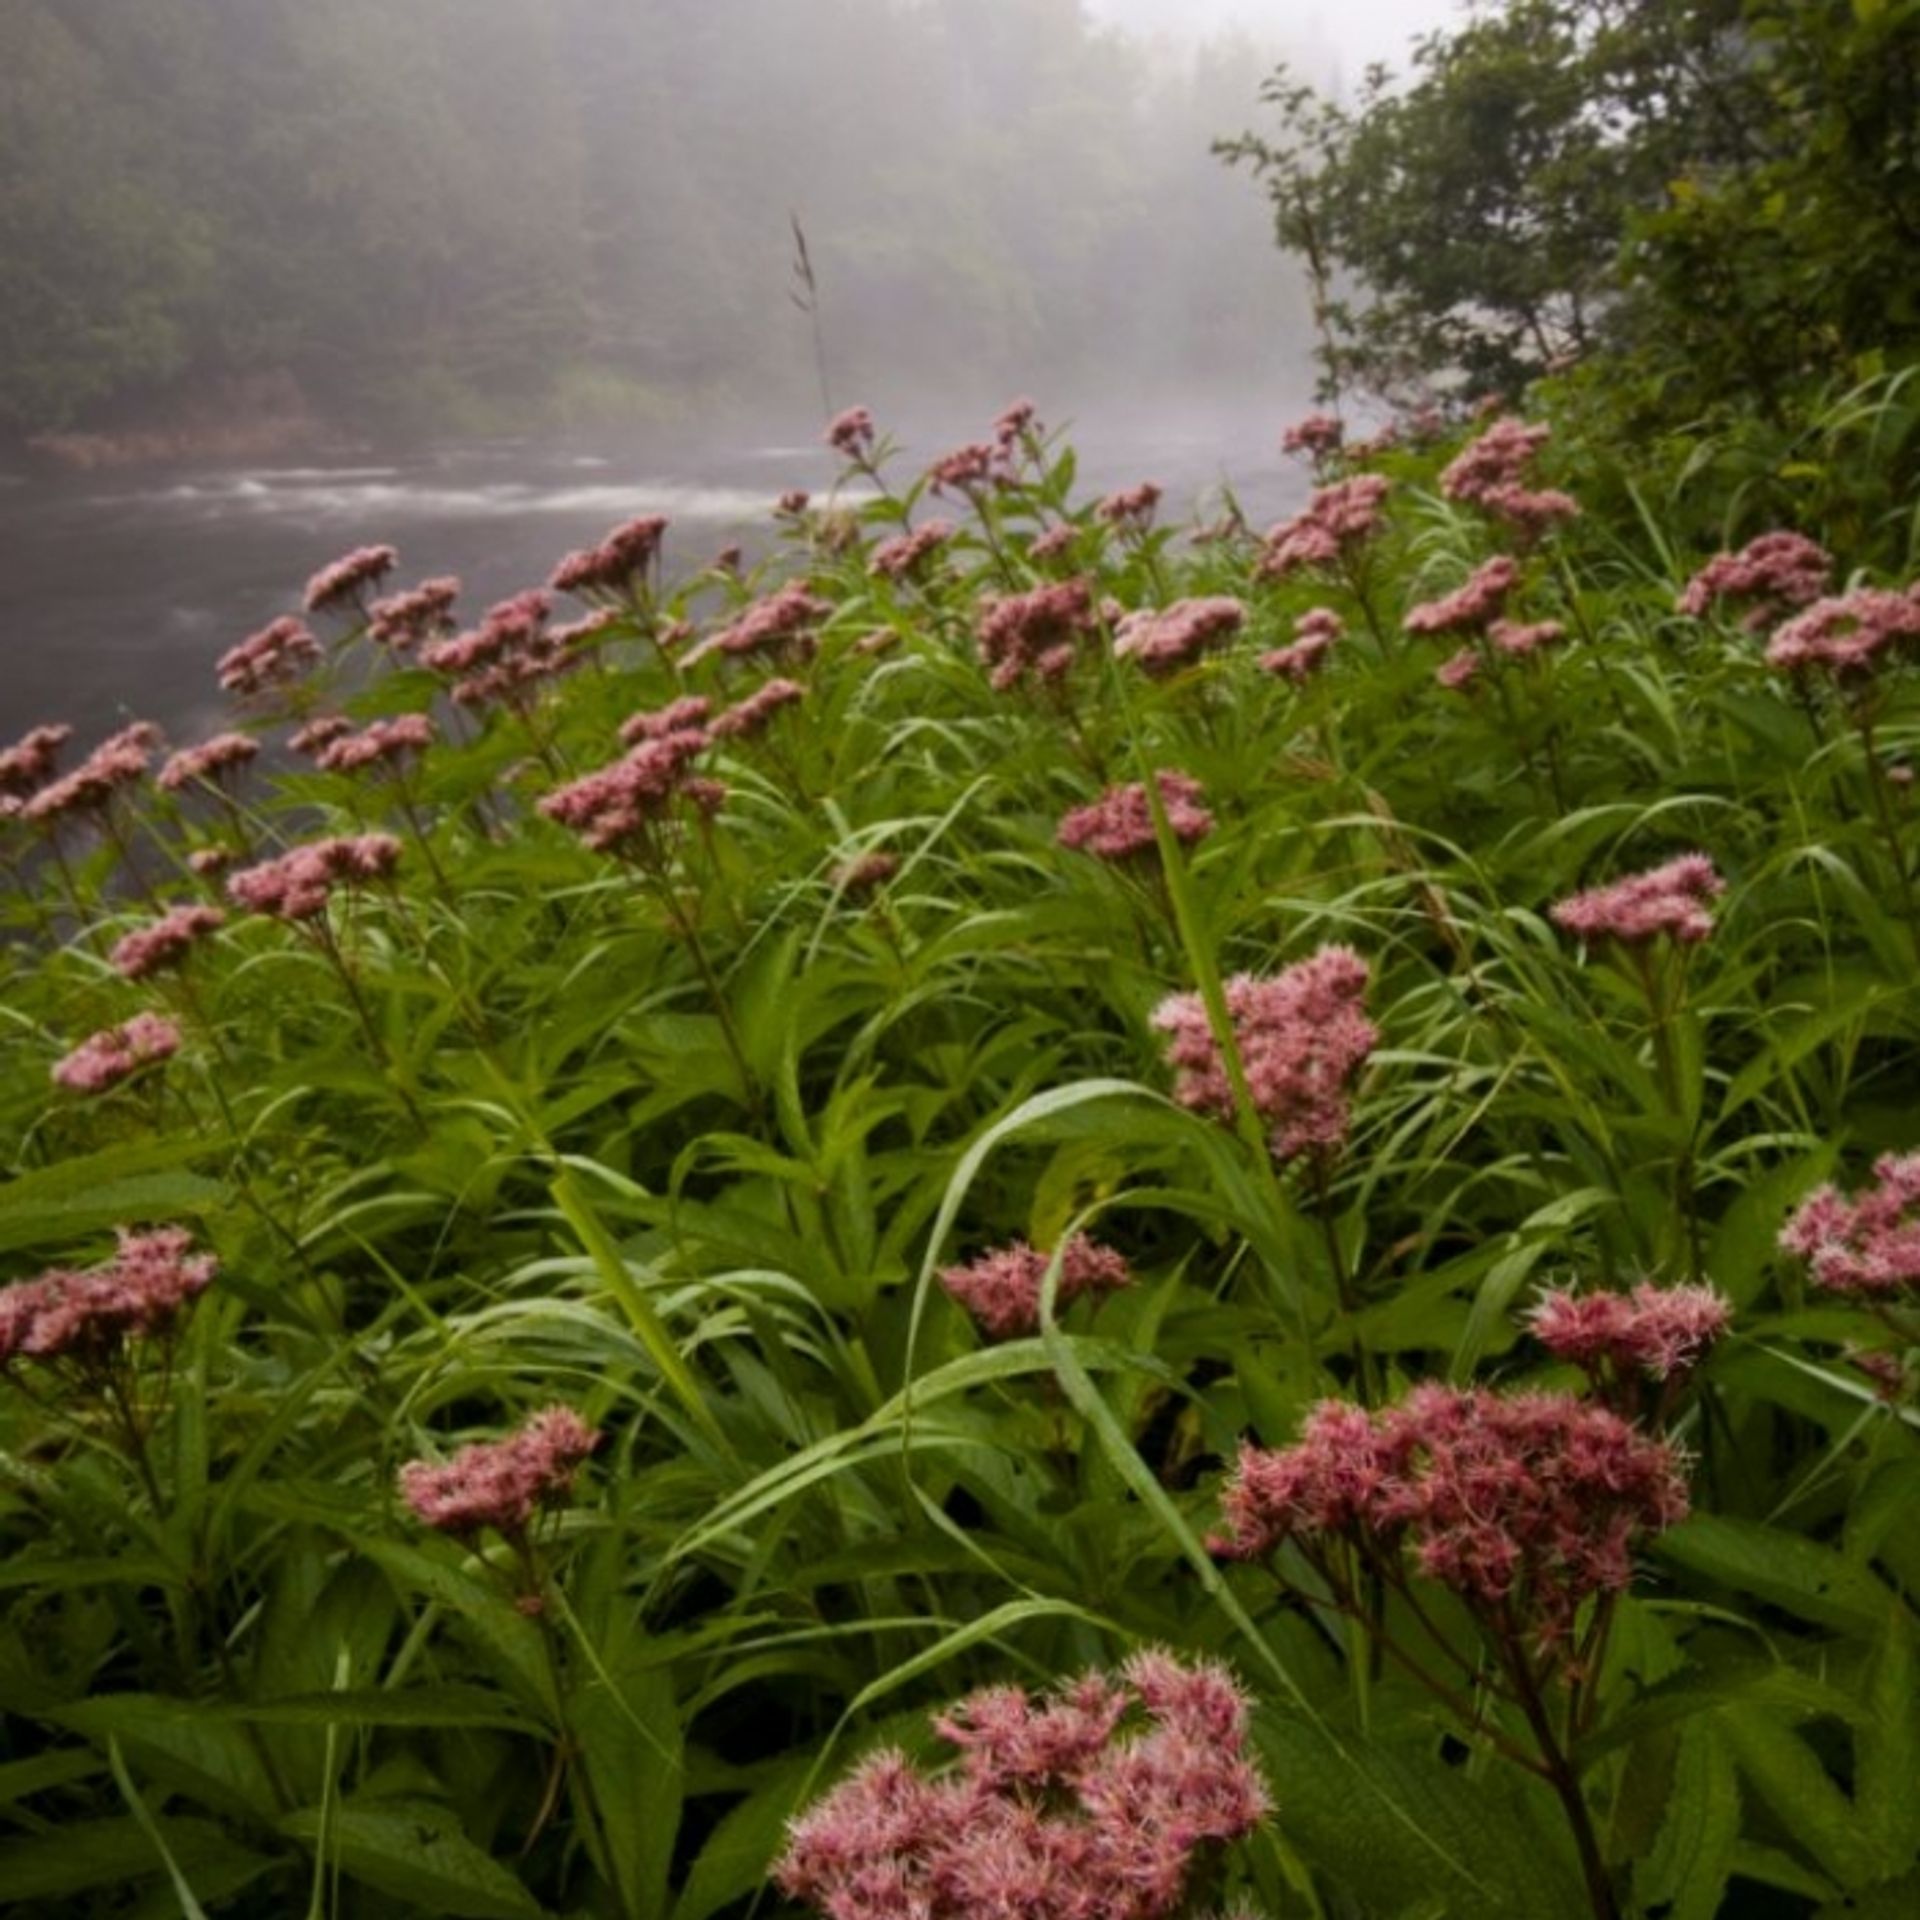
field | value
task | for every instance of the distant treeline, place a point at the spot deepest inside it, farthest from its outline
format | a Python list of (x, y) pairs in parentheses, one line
[(497, 208)]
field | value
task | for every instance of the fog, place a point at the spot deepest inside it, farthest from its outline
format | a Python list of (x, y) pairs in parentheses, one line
[(284, 275), (501, 215)]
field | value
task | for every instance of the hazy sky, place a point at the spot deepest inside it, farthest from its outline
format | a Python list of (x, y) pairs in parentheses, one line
[(1353, 31)]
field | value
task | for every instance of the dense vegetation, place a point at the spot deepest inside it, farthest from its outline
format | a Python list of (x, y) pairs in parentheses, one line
[(669, 1092), (1283, 1163), (482, 210)]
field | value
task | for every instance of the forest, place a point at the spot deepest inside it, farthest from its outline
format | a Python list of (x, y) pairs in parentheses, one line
[(529, 211)]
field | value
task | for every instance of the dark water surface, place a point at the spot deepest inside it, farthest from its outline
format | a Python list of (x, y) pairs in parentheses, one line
[(119, 591)]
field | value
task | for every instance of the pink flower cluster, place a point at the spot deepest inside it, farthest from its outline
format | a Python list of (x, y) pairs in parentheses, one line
[(1656, 1331), (782, 623), (677, 716), (1055, 544), (165, 942), (1471, 607), (345, 579), (1130, 507), (87, 1316), (1848, 633), (793, 503), (1524, 1504), (745, 718), (1059, 1808), (1518, 641), (1302, 1035), (1037, 632), (1166, 639), (1119, 825), (402, 620), (319, 732), (1670, 899), (1313, 636), (1001, 1289), (1868, 1246), (610, 567), (297, 885), (615, 804), (118, 762), (224, 753), (103, 1060), (511, 651), (977, 464), (278, 653), (1775, 574), (1317, 436), (384, 740), (1334, 520), (31, 760), (1017, 420), (501, 1483), (1490, 473), (895, 559), (851, 433)]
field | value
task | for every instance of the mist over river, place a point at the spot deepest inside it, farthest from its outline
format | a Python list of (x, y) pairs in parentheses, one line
[(120, 590)]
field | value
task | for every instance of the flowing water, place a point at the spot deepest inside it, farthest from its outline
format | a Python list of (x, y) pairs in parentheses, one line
[(119, 591)]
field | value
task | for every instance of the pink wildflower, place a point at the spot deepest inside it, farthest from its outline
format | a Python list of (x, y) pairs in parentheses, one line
[(898, 557), (782, 623), (346, 579), (1868, 1246), (384, 741), (1317, 436), (1169, 638), (30, 762), (1656, 1331), (747, 717), (1498, 458), (501, 1483), (1017, 421), (165, 942), (616, 804), (1314, 634), (1518, 640), (1131, 507), (209, 761), (1303, 1035), (1524, 1504), (1669, 899), (792, 504), (87, 1317), (1848, 633), (1472, 607), (677, 716), (1334, 521), (1037, 632), (610, 568), (275, 655), (851, 433), (506, 656), (1776, 574), (118, 762), (320, 732), (1119, 825), (1059, 1809), (1055, 544), (403, 619), (208, 862), (965, 468), (1458, 670), (105, 1059), (298, 885), (1001, 1290)]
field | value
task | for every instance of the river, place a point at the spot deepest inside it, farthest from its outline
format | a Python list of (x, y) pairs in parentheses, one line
[(118, 591)]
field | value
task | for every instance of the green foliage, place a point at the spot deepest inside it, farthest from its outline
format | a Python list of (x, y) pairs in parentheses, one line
[(686, 1141)]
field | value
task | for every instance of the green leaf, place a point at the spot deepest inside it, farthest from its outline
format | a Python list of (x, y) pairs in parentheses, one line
[(417, 1853), (195, 1749), (1782, 1569), (118, 1186), (85, 1854), (1685, 1873)]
